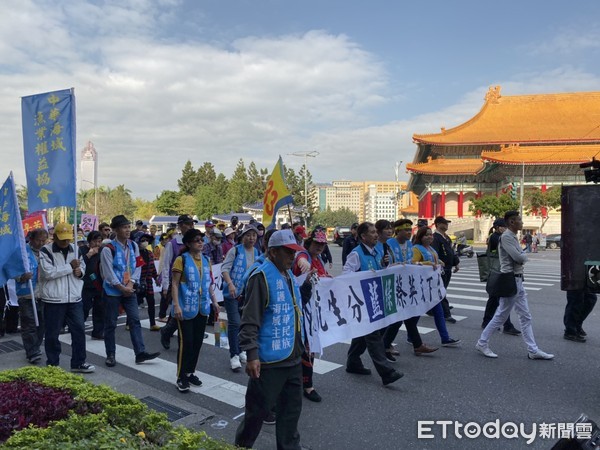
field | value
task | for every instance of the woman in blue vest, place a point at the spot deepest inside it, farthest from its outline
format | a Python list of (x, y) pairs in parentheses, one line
[(236, 264), (424, 254), (192, 296)]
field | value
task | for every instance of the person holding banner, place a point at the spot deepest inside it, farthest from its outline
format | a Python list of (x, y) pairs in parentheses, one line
[(402, 253), (61, 282), (272, 334), (367, 257), (192, 297), (307, 260), (236, 264), (425, 255), (120, 269), (31, 334)]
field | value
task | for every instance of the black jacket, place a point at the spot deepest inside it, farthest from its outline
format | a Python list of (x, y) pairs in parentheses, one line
[(443, 246)]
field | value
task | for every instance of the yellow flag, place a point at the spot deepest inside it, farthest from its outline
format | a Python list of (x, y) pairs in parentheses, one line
[(276, 195)]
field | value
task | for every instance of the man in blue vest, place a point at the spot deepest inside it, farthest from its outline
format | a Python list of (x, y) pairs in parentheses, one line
[(271, 335), (362, 258), (118, 262)]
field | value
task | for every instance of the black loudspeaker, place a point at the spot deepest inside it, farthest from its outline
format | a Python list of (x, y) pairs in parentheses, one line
[(580, 240)]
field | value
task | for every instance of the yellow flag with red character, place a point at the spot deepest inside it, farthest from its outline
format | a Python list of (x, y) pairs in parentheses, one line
[(276, 196)]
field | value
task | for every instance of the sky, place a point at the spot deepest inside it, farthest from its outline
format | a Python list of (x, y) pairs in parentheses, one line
[(160, 82)]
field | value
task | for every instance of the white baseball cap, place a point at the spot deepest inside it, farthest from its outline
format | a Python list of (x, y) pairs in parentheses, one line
[(284, 238)]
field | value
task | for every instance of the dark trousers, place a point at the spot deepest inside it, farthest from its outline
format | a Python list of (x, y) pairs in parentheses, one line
[(391, 332), (32, 335), (490, 309), (191, 335), (373, 342), (165, 300), (280, 388), (308, 362), (579, 305), (11, 319), (92, 300), (149, 296), (56, 315)]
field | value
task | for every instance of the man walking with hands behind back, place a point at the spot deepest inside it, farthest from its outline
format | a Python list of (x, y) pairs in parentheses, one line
[(512, 260)]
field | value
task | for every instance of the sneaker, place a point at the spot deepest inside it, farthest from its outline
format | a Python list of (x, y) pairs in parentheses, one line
[(194, 380), (34, 358), (154, 328), (485, 351), (313, 396), (390, 357), (183, 385), (540, 355), (236, 365), (84, 368), (450, 319), (270, 419), (451, 343), (110, 361), (145, 356), (243, 358)]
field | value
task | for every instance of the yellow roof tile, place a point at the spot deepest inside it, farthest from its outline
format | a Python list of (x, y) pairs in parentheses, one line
[(443, 166), (571, 117), (543, 154)]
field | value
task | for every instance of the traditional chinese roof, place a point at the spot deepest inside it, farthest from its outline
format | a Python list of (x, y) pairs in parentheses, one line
[(443, 166), (542, 118), (542, 155)]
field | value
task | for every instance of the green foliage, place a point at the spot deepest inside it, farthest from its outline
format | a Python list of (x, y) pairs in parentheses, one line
[(207, 175), (168, 203), (144, 209), (491, 205), (256, 183), (342, 217), (238, 191), (535, 199), (124, 422), (189, 179)]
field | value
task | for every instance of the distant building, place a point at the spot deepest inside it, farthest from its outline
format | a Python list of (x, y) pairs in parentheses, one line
[(89, 168)]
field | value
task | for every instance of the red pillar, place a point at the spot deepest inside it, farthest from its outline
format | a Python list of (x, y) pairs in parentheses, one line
[(428, 205), (461, 199), (544, 210), (443, 204)]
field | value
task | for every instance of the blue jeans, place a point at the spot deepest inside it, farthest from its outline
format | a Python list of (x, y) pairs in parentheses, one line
[(56, 315), (133, 320), (440, 322), (232, 306)]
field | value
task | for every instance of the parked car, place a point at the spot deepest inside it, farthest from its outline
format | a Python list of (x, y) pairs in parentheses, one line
[(341, 233), (553, 241)]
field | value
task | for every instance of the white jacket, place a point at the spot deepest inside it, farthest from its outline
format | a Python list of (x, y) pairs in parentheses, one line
[(57, 283)]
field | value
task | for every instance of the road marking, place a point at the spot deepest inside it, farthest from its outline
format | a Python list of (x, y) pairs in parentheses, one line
[(471, 307), (468, 297), (470, 283), (217, 388), (321, 367)]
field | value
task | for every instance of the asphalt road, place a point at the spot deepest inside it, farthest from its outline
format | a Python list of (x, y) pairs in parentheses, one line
[(453, 384)]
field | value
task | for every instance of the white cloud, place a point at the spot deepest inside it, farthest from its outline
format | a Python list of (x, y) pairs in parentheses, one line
[(568, 41)]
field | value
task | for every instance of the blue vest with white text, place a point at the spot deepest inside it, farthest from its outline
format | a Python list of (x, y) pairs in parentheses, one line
[(397, 251), (120, 266), (238, 270), (282, 318), (368, 261), (427, 255), (194, 294)]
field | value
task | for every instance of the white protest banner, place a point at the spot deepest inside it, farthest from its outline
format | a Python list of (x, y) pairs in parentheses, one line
[(359, 303), (218, 280)]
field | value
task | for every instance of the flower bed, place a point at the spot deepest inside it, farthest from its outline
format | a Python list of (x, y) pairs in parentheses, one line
[(48, 408)]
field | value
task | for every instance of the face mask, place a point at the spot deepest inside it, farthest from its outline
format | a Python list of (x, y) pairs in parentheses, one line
[(143, 244)]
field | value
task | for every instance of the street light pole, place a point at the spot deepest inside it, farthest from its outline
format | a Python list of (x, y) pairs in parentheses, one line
[(397, 171), (306, 155)]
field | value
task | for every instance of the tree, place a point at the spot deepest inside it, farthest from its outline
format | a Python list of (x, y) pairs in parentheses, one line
[(256, 183), (121, 202), (238, 191), (22, 199), (187, 204), (493, 206), (85, 200), (293, 184), (537, 201), (144, 209), (305, 183), (168, 203), (206, 175), (208, 202), (189, 179), (220, 189), (342, 217)]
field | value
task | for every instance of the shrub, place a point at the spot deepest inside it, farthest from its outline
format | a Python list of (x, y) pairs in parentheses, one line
[(88, 416)]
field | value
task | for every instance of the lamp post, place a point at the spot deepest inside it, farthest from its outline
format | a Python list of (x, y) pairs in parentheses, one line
[(306, 155)]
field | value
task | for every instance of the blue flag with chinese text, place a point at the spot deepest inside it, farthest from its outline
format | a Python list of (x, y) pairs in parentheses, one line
[(13, 255), (49, 147)]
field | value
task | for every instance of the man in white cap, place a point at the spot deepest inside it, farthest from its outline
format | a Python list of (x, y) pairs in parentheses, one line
[(271, 334)]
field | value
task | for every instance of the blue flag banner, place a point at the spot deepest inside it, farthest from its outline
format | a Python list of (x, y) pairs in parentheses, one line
[(49, 146), (13, 255)]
